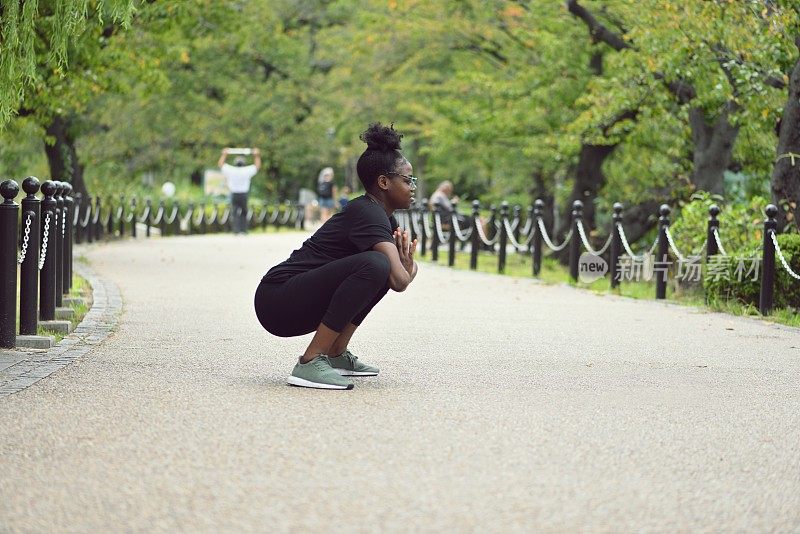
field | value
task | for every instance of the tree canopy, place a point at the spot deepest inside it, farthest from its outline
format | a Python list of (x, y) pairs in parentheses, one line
[(620, 99)]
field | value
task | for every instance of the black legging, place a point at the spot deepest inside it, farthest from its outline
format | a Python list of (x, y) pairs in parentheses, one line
[(341, 292)]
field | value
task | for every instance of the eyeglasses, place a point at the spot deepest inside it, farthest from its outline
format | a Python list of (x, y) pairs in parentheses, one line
[(409, 179)]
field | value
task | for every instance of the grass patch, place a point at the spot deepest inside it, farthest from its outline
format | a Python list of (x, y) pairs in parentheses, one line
[(552, 272)]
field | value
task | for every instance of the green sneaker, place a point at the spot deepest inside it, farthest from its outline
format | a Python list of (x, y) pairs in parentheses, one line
[(318, 373), (346, 364)]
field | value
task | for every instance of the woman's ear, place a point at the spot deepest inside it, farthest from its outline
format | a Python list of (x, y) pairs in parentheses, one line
[(383, 182)]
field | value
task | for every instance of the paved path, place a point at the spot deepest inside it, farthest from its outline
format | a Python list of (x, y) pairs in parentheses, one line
[(502, 405)]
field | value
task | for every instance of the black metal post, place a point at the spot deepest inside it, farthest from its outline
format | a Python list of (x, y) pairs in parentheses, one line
[(9, 212), (616, 245), (76, 210), (451, 252), (29, 270), (492, 229), (575, 244), (476, 238), (501, 257), (435, 236), (767, 296), (133, 217), (713, 224), (532, 221), (98, 218), (518, 221), (536, 242), (121, 211), (663, 256), (47, 274), (90, 216), (162, 222), (69, 207), (110, 221), (58, 250), (423, 238)]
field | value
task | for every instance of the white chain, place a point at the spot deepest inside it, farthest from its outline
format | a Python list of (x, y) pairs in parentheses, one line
[(549, 243), (459, 234), (45, 236), (438, 220), (780, 255), (486, 241), (63, 224), (672, 245), (582, 232), (513, 240), (25, 238), (627, 247), (719, 242)]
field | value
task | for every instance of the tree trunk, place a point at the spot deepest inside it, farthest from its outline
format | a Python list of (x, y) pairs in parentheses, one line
[(785, 182), (62, 156), (713, 150), (540, 191)]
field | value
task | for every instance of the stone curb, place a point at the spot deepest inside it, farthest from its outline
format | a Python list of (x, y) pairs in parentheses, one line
[(98, 323)]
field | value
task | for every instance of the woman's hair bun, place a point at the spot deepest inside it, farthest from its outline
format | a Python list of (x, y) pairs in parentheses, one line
[(381, 138)]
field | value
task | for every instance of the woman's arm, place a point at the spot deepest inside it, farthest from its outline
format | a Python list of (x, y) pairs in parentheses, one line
[(403, 268)]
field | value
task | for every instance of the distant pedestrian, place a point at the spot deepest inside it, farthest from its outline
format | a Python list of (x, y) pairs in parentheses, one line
[(332, 282), (344, 197), (326, 192), (237, 177)]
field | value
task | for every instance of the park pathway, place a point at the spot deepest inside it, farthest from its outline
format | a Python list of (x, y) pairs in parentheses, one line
[(502, 405)]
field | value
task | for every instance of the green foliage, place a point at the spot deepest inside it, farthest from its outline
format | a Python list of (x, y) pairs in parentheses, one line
[(741, 224), (726, 285), (37, 36)]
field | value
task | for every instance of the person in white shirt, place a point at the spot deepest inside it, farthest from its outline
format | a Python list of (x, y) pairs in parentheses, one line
[(237, 177)]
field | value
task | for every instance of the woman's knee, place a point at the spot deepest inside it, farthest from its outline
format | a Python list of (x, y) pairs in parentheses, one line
[(377, 263)]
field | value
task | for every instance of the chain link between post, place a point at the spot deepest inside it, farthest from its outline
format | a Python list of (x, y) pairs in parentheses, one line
[(45, 236), (780, 256), (25, 238)]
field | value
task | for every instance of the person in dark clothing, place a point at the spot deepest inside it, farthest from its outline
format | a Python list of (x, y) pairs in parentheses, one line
[(332, 282)]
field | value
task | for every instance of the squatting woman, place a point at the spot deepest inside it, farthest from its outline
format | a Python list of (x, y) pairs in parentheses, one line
[(340, 273)]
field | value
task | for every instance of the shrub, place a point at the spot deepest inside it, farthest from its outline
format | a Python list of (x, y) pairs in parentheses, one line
[(722, 283)]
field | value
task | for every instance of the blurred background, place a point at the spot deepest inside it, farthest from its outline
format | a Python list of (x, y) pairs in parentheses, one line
[(639, 101)]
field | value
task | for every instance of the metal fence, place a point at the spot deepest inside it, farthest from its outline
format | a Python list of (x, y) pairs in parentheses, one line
[(505, 230), (36, 239)]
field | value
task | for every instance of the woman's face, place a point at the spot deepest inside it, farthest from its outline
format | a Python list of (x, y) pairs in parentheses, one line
[(402, 184)]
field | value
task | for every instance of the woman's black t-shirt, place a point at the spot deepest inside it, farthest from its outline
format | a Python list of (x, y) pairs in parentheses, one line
[(357, 228)]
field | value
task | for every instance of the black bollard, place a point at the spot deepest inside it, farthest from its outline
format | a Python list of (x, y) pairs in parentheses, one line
[(517, 219), (501, 257), (29, 270), (492, 228), (536, 242), (476, 238), (47, 264), (411, 227), (133, 218), (575, 244), (162, 221), (121, 213), (97, 219), (451, 252), (110, 221), (9, 212), (77, 218), (435, 236), (662, 257), (616, 245), (713, 224), (532, 226), (58, 250), (69, 206), (767, 297), (423, 217)]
